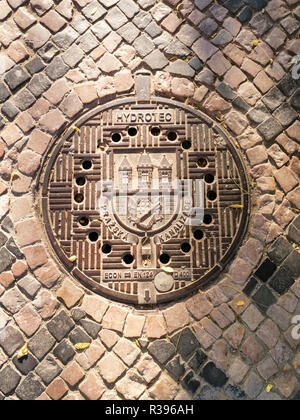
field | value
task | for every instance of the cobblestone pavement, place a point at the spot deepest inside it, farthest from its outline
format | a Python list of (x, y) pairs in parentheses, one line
[(236, 60)]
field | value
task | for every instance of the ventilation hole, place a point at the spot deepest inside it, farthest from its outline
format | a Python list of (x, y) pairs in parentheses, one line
[(93, 236), (116, 137), (172, 136), (209, 178), (202, 162), (207, 219), (185, 247), (84, 221), (79, 198), (106, 248), (87, 164), (211, 195), (155, 131), (128, 259), (164, 258), (132, 132), (198, 234), (186, 144), (80, 181)]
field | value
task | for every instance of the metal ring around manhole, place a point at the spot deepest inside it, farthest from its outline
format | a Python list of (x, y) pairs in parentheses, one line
[(145, 195)]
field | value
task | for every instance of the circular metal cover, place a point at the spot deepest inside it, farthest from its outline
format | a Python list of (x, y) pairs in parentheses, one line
[(144, 202)]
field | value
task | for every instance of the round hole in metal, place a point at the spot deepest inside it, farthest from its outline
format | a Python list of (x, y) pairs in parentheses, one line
[(132, 132), (185, 247), (93, 236), (211, 195), (202, 162), (155, 131), (198, 234), (186, 144), (87, 164), (128, 259), (106, 248), (79, 198), (164, 258), (209, 178), (116, 137), (207, 219), (80, 181), (172, 136), (83, 221)]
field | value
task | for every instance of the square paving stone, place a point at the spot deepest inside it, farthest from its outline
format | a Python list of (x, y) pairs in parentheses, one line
[(293, 234), (241, 104), (129, 32), (48, 51), (29, 285), (78, 335), (64, 351), (30, 389), (257, 4), (101, 29), (292, 264), (65, 38), (233, 5), (265, 270), (143, 45), (10, 110), (9, 380), (41, 343), (176, 368), (161, 350), (93, 11), (4, 93), (281, 281), (3, 239), (80, 24), (273, 99), (279, 250), (214, 376), (264, 298), (190, 383), (6, 259), (198, 359), (60, 325), (288, 85), (245, 14), (116, 18), (208, 26), (73, 56), (185, 342), (91, 327), (285, 114), (250, 286), (270, 129), (87, 42), (48, 370), (57, 69), (39, 84), (24, 99), (25, 364), (11, 341), (16, 77)]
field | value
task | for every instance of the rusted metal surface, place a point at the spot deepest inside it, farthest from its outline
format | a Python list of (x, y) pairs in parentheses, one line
[(144, 202)]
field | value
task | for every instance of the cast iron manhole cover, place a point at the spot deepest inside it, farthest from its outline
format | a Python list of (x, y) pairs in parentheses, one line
[(144, 202)]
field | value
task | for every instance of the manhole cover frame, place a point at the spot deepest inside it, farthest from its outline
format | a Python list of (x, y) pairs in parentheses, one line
[(63, 260)]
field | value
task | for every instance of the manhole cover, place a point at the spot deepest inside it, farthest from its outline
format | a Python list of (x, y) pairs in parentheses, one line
[(144, 202)]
